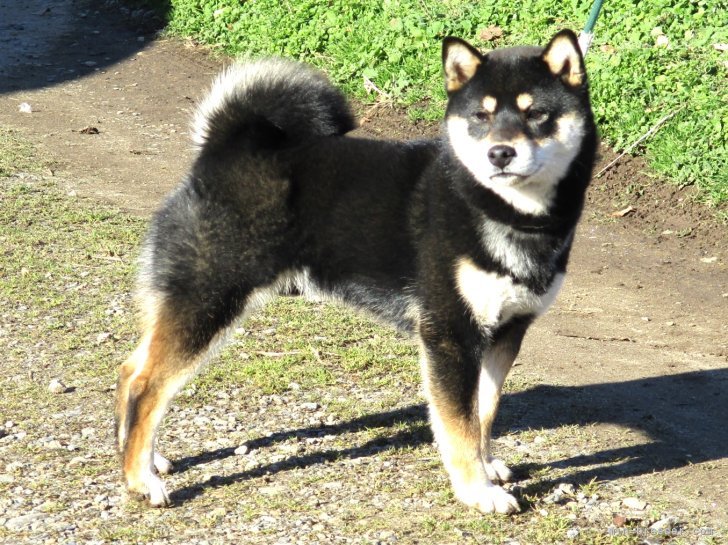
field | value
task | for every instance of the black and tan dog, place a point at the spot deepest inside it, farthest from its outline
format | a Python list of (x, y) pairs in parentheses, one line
[(462, 240)]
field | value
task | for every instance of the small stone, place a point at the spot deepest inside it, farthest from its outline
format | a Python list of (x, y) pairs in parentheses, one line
[(619, 520), (634, 503), (24, 521), (572, 533), (25, 108), (567, 488), (309, 406), (89, 63), (662, 526), (241, 450), (217, 513), (57, 387), (88, 432)]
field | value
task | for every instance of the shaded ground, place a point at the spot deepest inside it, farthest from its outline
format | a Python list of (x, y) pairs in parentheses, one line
[(633, 355)]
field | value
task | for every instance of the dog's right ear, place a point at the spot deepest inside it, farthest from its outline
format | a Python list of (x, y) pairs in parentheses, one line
[(460, 61)]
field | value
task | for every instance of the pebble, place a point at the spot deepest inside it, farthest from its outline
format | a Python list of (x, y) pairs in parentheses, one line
[(88, 432), (663, 525), (634, 503), (309, 406), (12, 467), (572, 533), (57, 387), (241, 450), (21, 522)]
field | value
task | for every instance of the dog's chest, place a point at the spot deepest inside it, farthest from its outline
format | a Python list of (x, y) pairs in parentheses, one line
[(494, 299)]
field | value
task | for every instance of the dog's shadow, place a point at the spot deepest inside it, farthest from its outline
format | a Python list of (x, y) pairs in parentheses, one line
[(683, 415)]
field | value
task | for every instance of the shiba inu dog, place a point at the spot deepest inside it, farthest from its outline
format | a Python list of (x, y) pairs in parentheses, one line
[(462, 240)]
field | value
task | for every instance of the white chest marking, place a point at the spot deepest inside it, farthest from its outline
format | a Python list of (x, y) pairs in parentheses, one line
[(494, 299)]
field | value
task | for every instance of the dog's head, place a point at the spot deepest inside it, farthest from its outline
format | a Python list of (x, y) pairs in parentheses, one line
[(517, 118)]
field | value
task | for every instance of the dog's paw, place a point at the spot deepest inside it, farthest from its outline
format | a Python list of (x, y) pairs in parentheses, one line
[(488, 498), (497, 471), (162, 465), (152, 488)]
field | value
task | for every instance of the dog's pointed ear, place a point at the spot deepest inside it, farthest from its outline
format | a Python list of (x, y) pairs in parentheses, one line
[(563, 57), (460, 61)]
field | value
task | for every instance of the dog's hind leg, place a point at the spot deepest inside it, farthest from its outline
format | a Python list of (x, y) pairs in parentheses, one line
[(149, 379), (495, 365)]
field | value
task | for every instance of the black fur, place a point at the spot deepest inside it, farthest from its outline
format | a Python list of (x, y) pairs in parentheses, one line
[(277, 188)]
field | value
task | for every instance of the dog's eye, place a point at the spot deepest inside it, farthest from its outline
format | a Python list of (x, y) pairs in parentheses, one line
[(536, 116), (481, 116)]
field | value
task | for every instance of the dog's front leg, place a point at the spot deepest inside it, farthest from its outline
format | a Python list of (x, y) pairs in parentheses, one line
[(495, 365), (450, 374)]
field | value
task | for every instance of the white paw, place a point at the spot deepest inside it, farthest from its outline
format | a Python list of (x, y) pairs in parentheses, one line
[(152, 487), (497, 471), (157, 493), (162, 465), (487, 498)]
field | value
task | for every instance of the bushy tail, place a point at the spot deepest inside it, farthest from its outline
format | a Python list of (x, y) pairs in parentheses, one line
[(267, 103)]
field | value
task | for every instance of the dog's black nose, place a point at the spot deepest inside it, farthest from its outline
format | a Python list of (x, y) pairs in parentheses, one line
[(501, 155)]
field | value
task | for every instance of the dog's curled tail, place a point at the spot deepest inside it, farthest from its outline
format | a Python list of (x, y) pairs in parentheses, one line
[(269, 103)]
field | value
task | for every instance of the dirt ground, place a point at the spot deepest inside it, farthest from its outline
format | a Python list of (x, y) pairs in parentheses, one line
[(638, 340)]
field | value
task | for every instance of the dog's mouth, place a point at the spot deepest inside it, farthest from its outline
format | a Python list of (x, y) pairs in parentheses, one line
[(513, 178), (510, 178)]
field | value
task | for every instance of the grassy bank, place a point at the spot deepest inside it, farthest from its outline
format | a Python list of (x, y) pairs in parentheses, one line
[(647, 61)]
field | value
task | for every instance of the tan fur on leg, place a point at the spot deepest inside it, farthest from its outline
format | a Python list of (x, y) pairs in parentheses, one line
[(459, 439), (156, 379)]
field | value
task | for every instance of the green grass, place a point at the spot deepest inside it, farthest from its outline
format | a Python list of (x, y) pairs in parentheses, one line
[(17, 154), (395, 44)]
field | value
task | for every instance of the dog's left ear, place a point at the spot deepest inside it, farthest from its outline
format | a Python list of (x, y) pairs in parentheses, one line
[(563, 57), (460, 61)]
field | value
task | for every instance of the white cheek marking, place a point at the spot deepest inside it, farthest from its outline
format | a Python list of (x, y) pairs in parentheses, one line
[(494, 299), (556, 154), (489, 104)]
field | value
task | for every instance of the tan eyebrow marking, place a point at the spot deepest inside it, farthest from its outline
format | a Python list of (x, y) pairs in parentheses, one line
[(524, 101), (489, 104)]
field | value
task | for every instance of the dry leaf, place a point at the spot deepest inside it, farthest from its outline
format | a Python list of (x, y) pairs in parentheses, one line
[(623, 212), (491, 33)]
